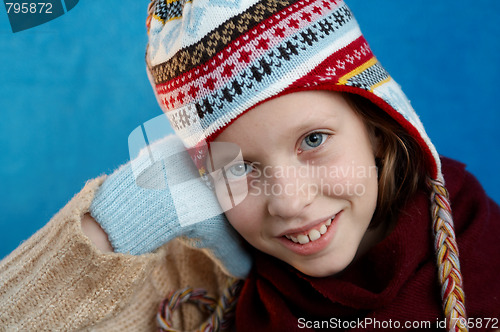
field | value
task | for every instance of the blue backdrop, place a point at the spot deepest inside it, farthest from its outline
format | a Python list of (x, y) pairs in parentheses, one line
[(73, 89)]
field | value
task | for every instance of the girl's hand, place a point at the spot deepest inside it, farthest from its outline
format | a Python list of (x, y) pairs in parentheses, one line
[(139, 212)]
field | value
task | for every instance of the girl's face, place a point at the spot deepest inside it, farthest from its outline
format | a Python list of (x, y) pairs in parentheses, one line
[(312, 181)]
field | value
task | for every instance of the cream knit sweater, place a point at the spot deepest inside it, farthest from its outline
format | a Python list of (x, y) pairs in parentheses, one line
[(59, 281)]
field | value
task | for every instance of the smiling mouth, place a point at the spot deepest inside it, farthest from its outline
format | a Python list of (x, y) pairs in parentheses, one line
[(312, 234)]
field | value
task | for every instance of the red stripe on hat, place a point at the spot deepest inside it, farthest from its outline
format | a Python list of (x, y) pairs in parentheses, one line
[(312, 82), (339, 64)]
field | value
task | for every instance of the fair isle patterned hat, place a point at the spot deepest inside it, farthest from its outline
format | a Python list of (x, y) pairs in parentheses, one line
[(209, 61)]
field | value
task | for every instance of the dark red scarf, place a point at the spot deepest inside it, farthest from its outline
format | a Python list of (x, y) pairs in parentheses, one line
[(396, 280)]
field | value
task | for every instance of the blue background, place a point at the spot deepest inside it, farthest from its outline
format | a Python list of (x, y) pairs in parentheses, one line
[(73, 89)]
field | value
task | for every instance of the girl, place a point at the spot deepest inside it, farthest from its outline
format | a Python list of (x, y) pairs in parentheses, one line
[(338, 173)]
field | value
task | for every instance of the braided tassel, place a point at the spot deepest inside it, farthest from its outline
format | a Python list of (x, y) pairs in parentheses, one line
[(151, 12), (445, 244), (222, 310)]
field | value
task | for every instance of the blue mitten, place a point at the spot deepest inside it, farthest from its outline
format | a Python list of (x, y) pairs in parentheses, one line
[(145, 204)]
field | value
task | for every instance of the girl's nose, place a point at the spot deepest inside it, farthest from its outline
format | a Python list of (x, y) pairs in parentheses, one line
[(289, 196)]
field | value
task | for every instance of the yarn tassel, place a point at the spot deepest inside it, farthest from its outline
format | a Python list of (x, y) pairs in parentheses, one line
[(222, 311), (446, 248)]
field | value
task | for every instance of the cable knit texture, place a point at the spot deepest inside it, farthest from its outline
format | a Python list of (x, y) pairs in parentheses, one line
[(59, 281)]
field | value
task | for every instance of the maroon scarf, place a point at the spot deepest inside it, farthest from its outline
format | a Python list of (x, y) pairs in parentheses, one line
[(396, 280)]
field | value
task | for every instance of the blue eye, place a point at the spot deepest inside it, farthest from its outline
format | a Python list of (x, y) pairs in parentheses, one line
[(312, 141), (238, 170)]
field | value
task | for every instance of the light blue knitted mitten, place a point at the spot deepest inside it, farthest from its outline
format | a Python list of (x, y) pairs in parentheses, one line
[(143, 205)]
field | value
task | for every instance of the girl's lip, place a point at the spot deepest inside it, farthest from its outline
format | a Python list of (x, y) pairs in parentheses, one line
[(313, 247), (307, 227)]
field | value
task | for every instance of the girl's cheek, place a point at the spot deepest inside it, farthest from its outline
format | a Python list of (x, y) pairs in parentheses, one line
[(241, 223), (347, 177), (232, 217), (331, 153)]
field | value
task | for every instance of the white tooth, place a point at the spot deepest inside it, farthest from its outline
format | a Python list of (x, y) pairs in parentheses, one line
[(288, 237), (294, 239), (303, 239), (322, 229), (329, 222), (314, 235)]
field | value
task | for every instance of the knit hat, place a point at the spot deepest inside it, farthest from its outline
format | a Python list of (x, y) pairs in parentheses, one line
[(209, 61)]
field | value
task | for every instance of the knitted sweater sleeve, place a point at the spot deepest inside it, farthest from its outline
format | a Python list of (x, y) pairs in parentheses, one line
[(59, 281)]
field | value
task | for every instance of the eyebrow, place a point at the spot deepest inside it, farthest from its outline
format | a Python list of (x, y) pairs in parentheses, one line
[(309, 125)]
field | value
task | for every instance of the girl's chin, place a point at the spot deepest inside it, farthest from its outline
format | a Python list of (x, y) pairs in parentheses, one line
[(321, 268), (319, 273)]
